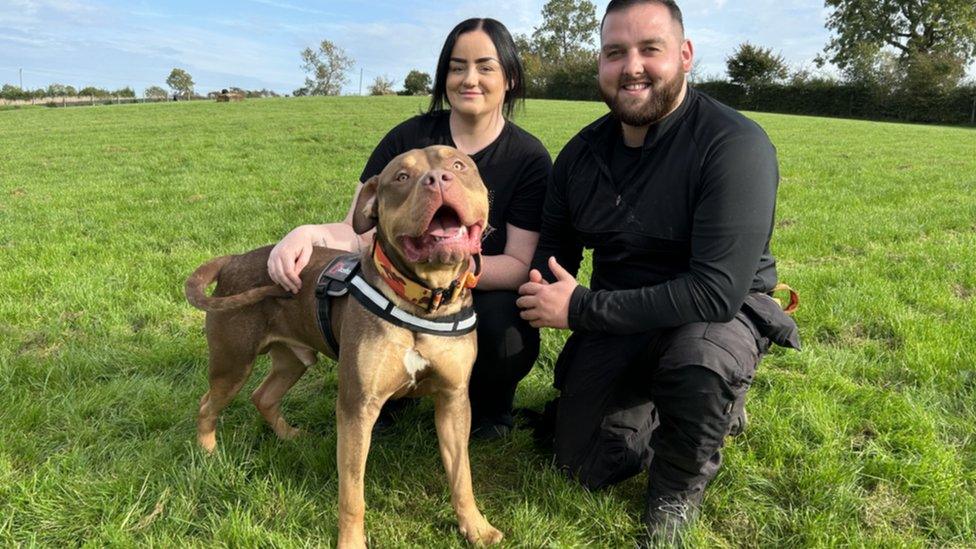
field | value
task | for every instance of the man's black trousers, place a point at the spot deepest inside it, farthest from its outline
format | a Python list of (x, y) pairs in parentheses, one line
[(660, 401)]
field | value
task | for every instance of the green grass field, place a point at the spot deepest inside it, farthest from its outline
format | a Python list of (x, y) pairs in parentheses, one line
[(865, 438)]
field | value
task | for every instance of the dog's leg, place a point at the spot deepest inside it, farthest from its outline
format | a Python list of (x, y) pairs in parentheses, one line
[(228, 372), (355, 417), (452, 415), (286, 370)]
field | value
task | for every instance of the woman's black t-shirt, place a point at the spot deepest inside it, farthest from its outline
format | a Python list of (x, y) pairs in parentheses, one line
[(515, 168)]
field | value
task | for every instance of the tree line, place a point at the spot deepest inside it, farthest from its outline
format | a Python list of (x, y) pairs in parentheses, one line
[(327, 69), (179, 81), (900, 59), (15, 93)]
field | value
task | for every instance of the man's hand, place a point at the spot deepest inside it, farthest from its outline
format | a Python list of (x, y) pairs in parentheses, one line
[(289, 257), (546, 305)]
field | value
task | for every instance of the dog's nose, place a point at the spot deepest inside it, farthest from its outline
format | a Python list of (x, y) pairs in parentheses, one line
[(442, 177)]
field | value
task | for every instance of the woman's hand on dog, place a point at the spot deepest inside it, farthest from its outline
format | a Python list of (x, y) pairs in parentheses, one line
[(289, 257)]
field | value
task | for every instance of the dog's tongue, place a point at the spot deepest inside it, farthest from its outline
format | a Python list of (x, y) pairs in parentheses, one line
[(444, 224)]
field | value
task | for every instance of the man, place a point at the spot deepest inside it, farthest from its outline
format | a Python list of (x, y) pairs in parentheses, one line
[(675, 194)]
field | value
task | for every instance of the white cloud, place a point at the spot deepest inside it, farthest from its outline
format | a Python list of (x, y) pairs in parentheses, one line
[(287, 6), (28, 12), (26, 40)]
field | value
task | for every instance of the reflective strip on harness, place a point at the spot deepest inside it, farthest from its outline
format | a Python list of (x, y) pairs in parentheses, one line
[(452, 326), (370, 292)]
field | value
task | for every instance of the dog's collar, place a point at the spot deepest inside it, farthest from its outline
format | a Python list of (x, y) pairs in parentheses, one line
[(429, 299)]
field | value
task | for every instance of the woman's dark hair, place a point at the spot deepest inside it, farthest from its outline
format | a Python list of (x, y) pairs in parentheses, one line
[(507, 57)]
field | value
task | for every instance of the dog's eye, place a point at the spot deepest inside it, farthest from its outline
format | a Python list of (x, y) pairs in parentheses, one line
[(458, 165), (402, 176)]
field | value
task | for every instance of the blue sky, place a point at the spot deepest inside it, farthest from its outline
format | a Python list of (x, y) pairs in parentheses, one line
[(256, 43)]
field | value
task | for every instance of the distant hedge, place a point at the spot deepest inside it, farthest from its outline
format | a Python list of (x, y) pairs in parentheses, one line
[(849, 101), (816, 97)]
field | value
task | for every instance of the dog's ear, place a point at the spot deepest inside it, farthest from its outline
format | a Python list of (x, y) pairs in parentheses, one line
[(365, 214)]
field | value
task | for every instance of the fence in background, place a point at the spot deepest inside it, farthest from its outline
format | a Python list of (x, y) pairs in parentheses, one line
[(89, 101)]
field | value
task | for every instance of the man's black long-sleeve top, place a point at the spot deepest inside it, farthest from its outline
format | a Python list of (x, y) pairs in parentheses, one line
[(681, 236)]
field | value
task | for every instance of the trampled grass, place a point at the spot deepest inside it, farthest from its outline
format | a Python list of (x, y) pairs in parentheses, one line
[(866, 437)]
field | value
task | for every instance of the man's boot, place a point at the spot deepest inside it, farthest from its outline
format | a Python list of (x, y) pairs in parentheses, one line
[(667, 517)]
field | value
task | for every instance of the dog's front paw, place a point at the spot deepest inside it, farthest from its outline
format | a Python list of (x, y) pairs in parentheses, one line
[(287, 432), (207, 442), (479, 532)]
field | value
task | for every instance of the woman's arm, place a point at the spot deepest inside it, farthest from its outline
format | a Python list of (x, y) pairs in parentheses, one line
[(292, 253), (510, 269)]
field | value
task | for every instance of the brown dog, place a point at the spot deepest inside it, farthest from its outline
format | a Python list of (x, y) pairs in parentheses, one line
[(429, 208)]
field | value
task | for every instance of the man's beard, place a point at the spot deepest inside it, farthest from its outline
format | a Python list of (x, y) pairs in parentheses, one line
[(659, 102)]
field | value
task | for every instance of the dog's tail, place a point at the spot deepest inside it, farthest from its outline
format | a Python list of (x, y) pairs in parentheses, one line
[(204, 277)]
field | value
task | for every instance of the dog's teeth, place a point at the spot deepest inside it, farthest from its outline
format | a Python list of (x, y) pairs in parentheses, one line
[(463, 231)]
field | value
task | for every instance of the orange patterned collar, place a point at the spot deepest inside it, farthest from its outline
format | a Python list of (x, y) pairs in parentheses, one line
[(420, 295)]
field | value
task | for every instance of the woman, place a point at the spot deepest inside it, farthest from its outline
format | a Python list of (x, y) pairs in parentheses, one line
[(480, 77)]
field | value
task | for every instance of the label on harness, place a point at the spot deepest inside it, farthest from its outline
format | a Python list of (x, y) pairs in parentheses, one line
[(342, 267)]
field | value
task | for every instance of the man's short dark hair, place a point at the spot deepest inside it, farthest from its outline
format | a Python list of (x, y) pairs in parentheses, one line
[(620, 5)]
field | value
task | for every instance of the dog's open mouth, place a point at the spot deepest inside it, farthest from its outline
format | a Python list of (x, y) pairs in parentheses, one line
[(446, 239)]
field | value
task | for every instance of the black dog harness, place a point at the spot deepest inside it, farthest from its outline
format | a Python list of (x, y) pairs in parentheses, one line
[(342, 276)]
